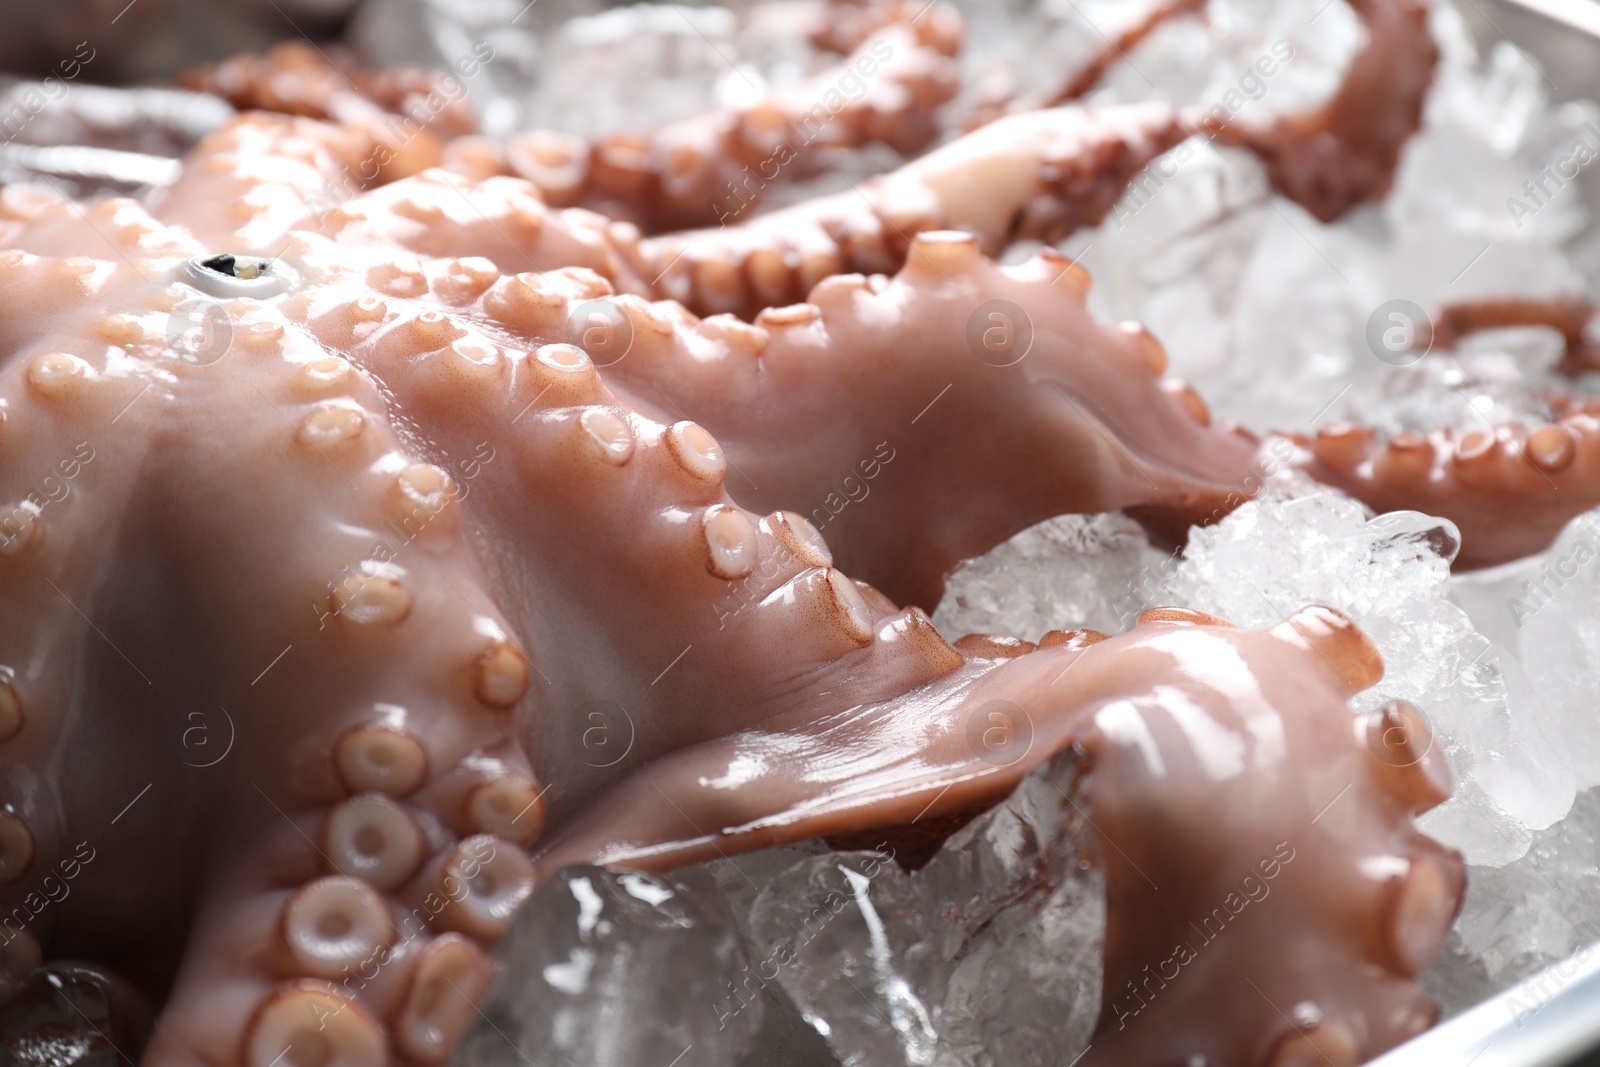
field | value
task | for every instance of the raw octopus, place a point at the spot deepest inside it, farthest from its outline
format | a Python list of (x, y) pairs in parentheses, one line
[(341, 498)]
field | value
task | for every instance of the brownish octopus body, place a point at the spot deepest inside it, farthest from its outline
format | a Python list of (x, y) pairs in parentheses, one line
[(301, 671)]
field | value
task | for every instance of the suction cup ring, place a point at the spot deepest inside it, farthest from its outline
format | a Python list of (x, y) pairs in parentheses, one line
[(228, 275)]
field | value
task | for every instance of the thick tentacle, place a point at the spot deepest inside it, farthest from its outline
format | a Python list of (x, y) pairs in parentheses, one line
[(715, 166), (1363, 900), (956, 379), (1038, 175), (1509, 489)]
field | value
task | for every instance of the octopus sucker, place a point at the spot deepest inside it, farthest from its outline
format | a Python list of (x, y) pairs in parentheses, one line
[(473, 470), (450, 975)]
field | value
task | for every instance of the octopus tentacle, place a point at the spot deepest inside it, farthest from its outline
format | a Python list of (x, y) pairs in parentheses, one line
[(1509, 489), (1037, 175), (297, 78), (1570, 316), (439, 214), (1004, 99), (956, 379), (255, 178), (735, 643), (1184, 842), (693, 172), (842, 26), (1345, 152), (1042, 175), (715, 166), (36, 216), (407, 113), (309, 189)]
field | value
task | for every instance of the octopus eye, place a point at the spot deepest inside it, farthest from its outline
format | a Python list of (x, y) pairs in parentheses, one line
[(230, 275)]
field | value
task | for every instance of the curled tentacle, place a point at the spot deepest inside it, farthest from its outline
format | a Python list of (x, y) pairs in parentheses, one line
[(1044, 174), (1345, 152), (1112, 51), (1570, 316)]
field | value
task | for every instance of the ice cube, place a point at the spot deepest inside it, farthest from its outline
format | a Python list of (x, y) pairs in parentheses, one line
[(1075, 570), (988, 954), (615, 969)]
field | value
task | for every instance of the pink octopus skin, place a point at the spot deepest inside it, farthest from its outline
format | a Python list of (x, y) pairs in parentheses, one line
[(386, 545)]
